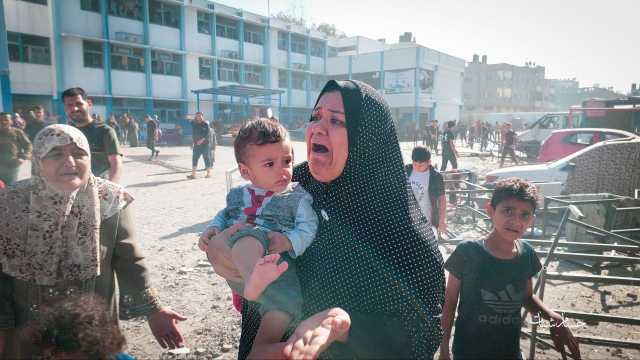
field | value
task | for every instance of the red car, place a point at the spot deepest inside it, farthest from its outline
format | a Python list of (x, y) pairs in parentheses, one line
[(567, 141)]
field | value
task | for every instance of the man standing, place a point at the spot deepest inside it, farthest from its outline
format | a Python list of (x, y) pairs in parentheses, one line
[(35, 123), (201, 134), (509, 144), (106, 157), (428, 188), (153, 135), (449, 152), (15, 149)]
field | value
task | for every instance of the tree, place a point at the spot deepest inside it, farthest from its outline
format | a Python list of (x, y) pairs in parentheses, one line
[(330, 30), (289, 18)]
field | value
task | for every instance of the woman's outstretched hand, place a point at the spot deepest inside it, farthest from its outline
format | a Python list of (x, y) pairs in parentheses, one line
[(315, 334)]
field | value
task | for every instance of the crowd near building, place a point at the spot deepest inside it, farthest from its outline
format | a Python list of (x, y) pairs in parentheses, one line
[(148, 56)]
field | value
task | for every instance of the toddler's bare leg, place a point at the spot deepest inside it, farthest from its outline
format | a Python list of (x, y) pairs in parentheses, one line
[(266, 271), (245, 253), (267, 343)]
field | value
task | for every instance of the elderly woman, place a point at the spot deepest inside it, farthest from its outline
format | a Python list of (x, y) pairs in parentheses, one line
[(373, 279), (65, 232)]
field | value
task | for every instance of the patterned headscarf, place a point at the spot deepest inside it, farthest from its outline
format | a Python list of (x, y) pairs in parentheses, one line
[(47, 236), (374, 253)]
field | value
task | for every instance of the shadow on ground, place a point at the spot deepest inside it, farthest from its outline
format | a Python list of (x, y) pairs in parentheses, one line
[(191, 229)]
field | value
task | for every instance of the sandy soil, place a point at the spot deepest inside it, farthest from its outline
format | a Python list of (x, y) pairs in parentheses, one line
[(170, 212)]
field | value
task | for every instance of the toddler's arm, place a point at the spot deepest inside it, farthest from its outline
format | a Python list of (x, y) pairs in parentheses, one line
[(448, 314), (305, 228)]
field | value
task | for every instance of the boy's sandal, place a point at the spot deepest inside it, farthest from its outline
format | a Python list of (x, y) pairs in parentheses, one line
[(191, 177)]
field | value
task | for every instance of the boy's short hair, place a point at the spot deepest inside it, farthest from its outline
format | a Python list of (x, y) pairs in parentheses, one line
[(74, 91), (515, 188), (258, 132), (451, 123), (420, 154)]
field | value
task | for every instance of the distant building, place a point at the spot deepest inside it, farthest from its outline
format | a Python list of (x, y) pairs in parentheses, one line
[(560, 94), (635, 90), (502, 87), (420, 84), (146, 56)]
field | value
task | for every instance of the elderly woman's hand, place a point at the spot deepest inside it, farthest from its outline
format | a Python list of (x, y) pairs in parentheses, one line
[(315, 334), (219, 254), (163, 327)]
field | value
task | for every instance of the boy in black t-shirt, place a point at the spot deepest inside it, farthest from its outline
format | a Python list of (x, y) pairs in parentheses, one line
[(493, 280)]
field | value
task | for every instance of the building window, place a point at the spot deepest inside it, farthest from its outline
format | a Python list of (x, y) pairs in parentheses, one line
[(317, 48), (226, 28), (127, 58), (92, 52), (228, 71), (28, 48), (283, 79), (283, 40), (205, 65), (131, 9), (41, 2), (164, 14), (204, 23), (254, 34), (298, 44), (166, 63), (333, 51), (254, 75), (90, 5), (318, 81), (298, 80)]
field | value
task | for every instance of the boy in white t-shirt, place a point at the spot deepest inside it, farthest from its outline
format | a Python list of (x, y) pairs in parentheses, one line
[(428, 188)]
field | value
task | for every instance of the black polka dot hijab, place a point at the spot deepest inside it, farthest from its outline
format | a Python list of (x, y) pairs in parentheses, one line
[(373, 252)]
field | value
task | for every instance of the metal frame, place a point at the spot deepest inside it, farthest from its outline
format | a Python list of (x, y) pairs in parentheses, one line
[(243, 92)]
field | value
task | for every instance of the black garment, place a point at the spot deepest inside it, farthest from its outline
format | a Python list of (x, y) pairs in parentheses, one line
[(200, 130), (446, 138), (373, 256), (446, 158), (492, 293), (103, 142), (436, 189), (204, 151), (33, 128)]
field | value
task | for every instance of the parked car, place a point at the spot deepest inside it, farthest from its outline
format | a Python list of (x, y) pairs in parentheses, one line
[(558, 171), (561, 143)]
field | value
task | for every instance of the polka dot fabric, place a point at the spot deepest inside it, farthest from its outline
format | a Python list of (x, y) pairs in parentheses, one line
[(374, 253)]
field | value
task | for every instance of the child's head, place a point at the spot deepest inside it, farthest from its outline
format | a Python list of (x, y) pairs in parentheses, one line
[(75, 328), (421, 158), (512, 207), (264, 154), (451, 124)]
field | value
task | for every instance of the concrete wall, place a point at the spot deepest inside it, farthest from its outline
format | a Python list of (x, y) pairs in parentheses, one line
[(26, 17), (128, 83), (164, 37), (90, 79), (77, 21), (31, 78), (165, 86)]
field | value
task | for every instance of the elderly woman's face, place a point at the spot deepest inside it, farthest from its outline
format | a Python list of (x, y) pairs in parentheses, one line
[(326, 137), (65, 168)]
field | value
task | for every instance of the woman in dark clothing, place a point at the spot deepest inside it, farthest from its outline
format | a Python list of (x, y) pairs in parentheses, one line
[(373, 280)]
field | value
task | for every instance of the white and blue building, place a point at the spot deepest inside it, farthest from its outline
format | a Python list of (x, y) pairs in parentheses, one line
[(147, 56)]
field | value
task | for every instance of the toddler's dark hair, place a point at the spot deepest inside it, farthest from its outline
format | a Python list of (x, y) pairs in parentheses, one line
[(420, 154), (78, 324), (258, 132), (515, 188)]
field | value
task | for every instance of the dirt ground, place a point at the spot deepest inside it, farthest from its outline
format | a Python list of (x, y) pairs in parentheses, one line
[(170, 212)]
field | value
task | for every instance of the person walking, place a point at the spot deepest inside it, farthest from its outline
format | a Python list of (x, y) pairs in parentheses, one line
[(153, 135), (449, 152), (133, 132), (35, 122), (201, 134), (509, 144)]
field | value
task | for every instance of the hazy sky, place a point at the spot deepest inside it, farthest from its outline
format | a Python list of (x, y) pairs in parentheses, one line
[(594, 41)]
